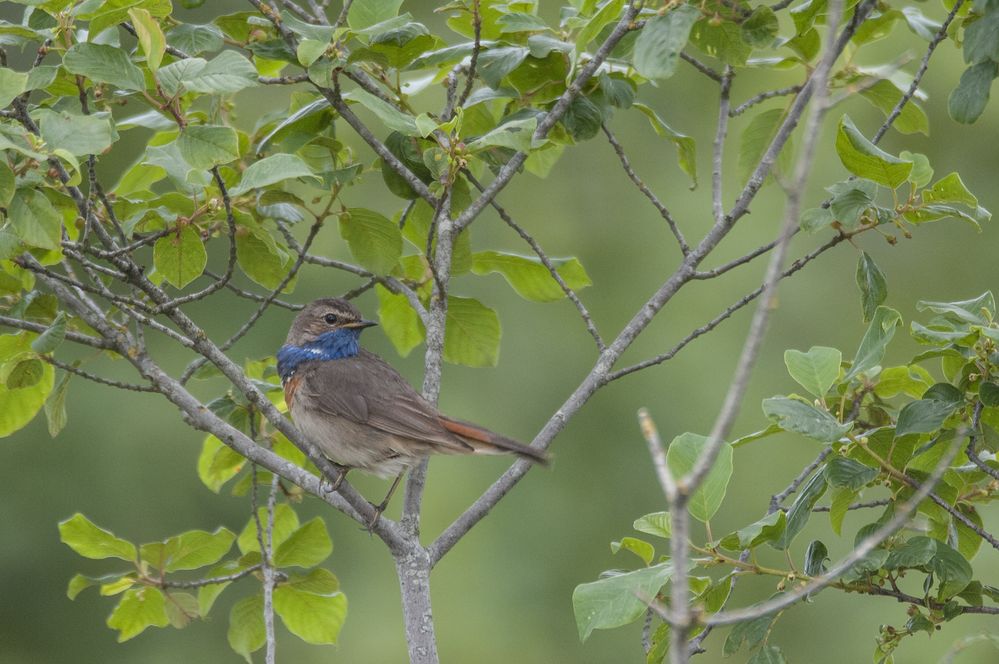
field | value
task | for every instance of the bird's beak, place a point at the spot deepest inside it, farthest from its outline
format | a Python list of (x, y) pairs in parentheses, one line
[(361, 324)]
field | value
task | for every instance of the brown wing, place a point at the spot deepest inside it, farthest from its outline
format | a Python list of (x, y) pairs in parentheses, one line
[(367, 390)]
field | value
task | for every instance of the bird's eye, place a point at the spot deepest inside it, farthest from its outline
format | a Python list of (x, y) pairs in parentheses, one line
[(331, 319)]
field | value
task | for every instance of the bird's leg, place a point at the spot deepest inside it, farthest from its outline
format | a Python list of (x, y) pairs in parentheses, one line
[(380, 507), (329, 487)]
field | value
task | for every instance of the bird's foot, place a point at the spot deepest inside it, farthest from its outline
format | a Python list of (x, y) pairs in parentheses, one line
[(327, 486), (380, 507), (373, 521)]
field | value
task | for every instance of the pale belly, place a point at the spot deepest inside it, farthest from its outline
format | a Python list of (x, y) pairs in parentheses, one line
[(351, 444)]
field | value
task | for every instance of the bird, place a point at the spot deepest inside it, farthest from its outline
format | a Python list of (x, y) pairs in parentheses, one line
[(359, 411)]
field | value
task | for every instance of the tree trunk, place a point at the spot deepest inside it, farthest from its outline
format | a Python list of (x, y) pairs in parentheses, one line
[(413, 568)]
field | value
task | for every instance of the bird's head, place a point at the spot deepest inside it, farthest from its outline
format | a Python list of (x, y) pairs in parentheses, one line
[(321, 317)]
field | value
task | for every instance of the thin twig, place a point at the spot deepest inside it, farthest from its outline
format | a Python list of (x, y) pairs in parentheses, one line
[(923, 66), (642, 187), (549, 265), (701, 67), (73, 369), (680, 519), (717, 320), (881, 502), (778, 498), (199, 583), (75, 337), (763, 96), (718, 149), (473, 61)]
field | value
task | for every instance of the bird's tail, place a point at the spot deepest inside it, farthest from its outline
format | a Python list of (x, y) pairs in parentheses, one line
[(484, 441)]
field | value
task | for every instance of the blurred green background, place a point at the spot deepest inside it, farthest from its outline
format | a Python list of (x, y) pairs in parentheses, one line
[(503, 594)]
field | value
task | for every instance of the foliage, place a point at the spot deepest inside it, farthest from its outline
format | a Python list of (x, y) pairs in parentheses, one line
[(894, 428), (211, 206)]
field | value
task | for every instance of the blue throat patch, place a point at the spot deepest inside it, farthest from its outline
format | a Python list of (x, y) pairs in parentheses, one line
[(334, 345)]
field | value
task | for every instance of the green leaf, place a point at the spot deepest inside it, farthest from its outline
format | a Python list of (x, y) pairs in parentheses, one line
[(767, 654), (218, 463), (950, 568), (399, 321), (923, 416), (866, 160), (180, 258), (472, 335), (246, 625), (815, 555), (872, 284), (260, 258), (757, 137), (273, 169), (884, 95), (657, 49), (981, 39), (656, 523), (52, 337), (950, 189), (91, 541), (528, 277), (19, 405), (194, 39), (685, 147), (78, 584), (8, 186), (105, 64), (77, 134), (515, 134), (35, 221), (845, 472), (922, 172), (801, 510), (722, 40), (55, 406), (390, 116), (285, 523), (150, 36), (760, 29), (374, 241), (204, 146), (915, 552), (615, 600), (816, 370), (607, 13), (681, 456), (138, 609), (872, 346), (968, 541), (851, 199), (815, 219), (767, 529), (968, 100), (24, 373), (113, 12), (977, 311), (583, 119), (311, 616), (306, 547), (803, 418), (227, 72), (749, 632), (496, 63), (12, 85), (196, 548), (640, 548), (364, 14)]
